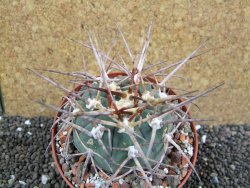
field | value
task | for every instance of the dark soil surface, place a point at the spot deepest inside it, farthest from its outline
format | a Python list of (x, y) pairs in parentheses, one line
[(223, 160)]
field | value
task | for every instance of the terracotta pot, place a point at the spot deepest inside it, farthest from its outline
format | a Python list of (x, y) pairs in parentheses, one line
[(112, 75)]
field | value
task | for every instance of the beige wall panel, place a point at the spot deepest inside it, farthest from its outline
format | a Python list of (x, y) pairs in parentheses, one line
[(34, 34)]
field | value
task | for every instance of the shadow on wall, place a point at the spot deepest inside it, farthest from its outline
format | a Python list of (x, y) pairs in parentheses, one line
[(1, 102)]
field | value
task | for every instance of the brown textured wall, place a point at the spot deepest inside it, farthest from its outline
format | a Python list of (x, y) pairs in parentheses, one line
[(34, 34)]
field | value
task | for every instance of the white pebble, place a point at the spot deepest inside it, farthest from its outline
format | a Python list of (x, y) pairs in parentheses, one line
[(19, 129), (165, 170), (41, 125), (22, 182), (29, 133), (13, 177), (1, 118), (98, 184), (197, 127), (203, 138), (87, 181), (121, 181), (65, 133), (95, 177), (44, 179), (61, 149), (27, 122)]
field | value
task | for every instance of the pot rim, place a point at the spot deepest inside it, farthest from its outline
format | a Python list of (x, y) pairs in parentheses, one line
[(112, 75)]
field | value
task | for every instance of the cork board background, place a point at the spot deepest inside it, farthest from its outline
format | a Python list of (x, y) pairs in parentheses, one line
[(34, 34)]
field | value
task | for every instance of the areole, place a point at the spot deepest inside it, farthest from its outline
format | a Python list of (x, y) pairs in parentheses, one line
[(112, 75)]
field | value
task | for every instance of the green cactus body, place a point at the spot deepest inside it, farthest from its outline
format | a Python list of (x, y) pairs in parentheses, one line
[(109, 162)]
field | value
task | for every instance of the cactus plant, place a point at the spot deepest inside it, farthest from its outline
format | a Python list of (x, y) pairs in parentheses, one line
[(126, 124)]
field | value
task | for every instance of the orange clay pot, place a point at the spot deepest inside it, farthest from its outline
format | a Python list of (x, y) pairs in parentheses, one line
[(112, 75)]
